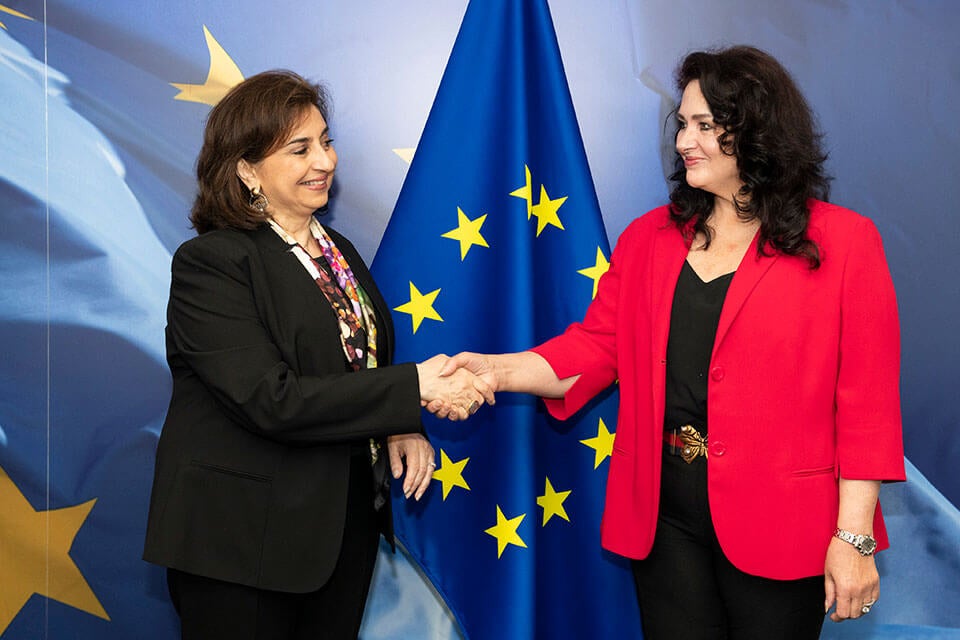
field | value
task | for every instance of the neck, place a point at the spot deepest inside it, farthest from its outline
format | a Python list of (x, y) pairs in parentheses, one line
[(725, 215), (724, 212), (297, 226), (727, 227)]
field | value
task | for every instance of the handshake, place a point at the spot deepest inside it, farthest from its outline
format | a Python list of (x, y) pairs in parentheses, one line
[(454, 388)]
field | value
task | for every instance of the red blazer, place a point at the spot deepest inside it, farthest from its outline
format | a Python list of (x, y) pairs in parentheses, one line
[(804, 388)]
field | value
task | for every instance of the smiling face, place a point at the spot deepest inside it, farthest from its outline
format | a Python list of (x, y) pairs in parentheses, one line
[(296, 177), (707, 166)]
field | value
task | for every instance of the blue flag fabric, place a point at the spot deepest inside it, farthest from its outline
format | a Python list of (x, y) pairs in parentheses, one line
[(496, 244)]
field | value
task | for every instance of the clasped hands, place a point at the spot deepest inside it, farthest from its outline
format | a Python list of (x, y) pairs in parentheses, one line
[(454, 388), (449, 389)]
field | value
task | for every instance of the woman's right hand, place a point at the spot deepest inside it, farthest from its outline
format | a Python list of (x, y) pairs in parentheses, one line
[(479, 364), (454, 396)]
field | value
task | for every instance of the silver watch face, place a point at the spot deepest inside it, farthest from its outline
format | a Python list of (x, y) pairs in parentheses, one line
[(867, 545)]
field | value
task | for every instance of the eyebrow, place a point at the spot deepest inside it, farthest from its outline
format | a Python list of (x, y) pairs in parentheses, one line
[(325, 133), (697, 116)]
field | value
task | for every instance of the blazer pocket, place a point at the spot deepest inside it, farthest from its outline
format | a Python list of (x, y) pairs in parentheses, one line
[(815, 471), (219, 516), (232, 472)]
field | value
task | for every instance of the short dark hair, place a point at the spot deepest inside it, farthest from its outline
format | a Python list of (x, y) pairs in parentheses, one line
[(249, 123), (770, 129)]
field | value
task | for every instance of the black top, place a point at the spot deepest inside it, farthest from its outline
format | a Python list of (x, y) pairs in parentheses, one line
[(693, 326)]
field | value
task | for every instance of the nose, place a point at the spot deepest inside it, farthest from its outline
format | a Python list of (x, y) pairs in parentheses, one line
[(325, 159), (684, 140)]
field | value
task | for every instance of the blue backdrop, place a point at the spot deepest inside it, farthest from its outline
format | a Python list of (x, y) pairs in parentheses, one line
[(96, 182)]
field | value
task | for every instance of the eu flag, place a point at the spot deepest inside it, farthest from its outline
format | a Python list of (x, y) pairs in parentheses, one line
[(496, 244)]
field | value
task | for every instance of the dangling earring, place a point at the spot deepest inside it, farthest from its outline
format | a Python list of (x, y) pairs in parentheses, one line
[(257, 200)]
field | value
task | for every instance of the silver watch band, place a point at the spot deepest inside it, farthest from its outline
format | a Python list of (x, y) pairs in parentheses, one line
[(865, 544)]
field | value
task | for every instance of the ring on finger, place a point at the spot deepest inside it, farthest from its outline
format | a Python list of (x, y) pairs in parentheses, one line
[(473, 406), (867, 606)]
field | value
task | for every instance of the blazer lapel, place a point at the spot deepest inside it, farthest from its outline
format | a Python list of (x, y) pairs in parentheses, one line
[(288, 269), (751, 270), (667, 258), (270, 243)]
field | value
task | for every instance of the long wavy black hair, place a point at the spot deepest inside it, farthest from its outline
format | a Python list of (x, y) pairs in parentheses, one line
[(769, 127)]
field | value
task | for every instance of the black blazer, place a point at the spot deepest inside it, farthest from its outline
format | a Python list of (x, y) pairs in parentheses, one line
[(252, 465)]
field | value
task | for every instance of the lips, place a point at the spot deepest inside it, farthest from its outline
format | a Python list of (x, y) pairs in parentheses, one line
[(317, 183), (690, 161)]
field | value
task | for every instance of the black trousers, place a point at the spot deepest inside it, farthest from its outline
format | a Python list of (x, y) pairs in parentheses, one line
[(215, 610), (687, 588)]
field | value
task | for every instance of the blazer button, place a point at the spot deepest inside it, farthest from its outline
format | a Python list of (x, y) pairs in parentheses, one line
[(717, 373), (717, 448)]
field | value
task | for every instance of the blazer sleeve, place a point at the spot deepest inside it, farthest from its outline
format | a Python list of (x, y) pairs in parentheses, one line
[(215, 325), (589, 348), (868, 418)]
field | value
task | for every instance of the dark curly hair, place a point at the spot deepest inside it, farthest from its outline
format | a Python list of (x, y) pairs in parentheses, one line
[(249, 123), (768, 126)]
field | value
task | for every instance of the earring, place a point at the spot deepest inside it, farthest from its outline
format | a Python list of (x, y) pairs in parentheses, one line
[(257, 200)]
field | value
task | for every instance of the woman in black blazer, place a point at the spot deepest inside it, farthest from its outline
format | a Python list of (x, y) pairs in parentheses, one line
[(271, 483)]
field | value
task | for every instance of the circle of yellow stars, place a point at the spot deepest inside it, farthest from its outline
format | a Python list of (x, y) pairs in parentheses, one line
[(468, 234), (450, 474)]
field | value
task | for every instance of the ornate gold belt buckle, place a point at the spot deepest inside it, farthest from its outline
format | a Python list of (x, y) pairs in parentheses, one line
[(694, 444)]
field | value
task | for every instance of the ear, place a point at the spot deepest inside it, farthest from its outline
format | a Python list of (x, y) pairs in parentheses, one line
[(247, 174)]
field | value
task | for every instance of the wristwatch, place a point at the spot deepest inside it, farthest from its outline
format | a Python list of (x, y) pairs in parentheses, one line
[(865, 544)]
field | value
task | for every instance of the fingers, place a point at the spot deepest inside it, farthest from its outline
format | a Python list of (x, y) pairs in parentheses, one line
[(851, 582), (416, 470), (418, 454), (485, 390), (428, 468), (396, 459), (458, 395), (462, 359), (852, 608), (830, 590), (419, 468)]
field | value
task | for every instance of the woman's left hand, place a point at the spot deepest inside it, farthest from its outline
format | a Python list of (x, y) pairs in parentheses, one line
[(418, 454), (851, 581)]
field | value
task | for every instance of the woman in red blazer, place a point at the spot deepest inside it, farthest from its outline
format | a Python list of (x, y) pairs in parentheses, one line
[(750, 306)]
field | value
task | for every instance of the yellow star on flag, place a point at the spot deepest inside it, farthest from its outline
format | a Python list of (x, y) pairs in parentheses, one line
[(223, 76), (15, 14), (525, 192), (420, 306), (552, 503), (505, 531), (596, 270), (602, 444), (546, 211), (35, 555), (467, 232), (450, 473)]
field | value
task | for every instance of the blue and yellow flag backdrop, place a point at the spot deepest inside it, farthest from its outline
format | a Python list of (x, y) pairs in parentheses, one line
[(496, 244), (102, 106)]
